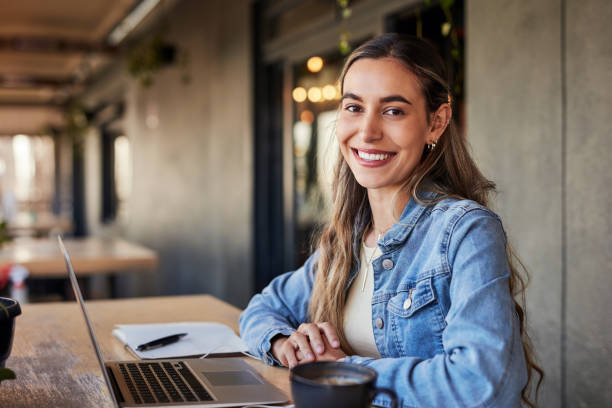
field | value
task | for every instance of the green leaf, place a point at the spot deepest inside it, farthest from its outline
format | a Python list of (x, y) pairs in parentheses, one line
[(6, 374), (446, 4), (344, 47), (427, 2), (343, 3), (446, 28), (455, 53)]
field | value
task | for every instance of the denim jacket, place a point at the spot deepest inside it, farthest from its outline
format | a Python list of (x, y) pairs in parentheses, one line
[(442, 314)]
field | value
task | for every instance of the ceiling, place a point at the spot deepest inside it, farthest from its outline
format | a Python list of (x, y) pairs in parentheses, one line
[(49, 50)]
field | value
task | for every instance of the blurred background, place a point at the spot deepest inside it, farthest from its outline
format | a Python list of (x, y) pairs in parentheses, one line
[(185, 146)]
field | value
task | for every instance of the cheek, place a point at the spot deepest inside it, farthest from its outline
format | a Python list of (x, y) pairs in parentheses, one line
[(344, 129)]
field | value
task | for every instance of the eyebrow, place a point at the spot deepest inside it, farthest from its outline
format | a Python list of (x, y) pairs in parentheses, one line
[(390, 98)]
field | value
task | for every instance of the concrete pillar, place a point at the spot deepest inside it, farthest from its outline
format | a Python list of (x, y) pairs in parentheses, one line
[(538, 113)]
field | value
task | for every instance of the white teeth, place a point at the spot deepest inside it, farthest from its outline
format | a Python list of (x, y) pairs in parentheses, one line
[(372, 157)]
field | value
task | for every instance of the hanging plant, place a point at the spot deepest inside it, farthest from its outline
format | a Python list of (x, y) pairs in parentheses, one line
[(77, 122), (448, 29), (147, 58), (344, 44)]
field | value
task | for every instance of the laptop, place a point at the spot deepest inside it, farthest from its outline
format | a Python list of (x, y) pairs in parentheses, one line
[(218, 382)]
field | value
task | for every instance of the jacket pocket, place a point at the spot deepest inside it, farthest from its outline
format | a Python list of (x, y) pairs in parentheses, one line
[(409, 301), (416, 323)]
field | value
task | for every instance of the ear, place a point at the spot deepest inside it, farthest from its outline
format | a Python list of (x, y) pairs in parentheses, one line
[(440, 120)]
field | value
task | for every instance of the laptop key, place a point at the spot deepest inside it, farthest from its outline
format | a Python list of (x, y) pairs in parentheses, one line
[(154, 385), (130, 384), (201, 392)]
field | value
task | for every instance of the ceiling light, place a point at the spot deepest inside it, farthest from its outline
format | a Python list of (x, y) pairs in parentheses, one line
[(329, 92), (314, 64), (299, 94), (131, 21), (314, 94)]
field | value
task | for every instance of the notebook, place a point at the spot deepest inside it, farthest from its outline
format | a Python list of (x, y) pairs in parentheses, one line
[(203, 338), (217, 382)]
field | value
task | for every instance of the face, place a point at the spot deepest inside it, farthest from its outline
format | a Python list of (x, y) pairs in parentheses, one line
[(383, 124)]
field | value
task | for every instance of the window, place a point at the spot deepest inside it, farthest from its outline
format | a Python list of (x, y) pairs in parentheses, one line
[(27, 175), (123, 174)]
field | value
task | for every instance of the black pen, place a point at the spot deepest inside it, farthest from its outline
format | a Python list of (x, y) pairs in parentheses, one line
[(164, 341)]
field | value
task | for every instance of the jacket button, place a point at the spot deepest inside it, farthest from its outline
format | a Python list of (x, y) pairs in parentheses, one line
[(407, 303), (387, 264), (379, 323)]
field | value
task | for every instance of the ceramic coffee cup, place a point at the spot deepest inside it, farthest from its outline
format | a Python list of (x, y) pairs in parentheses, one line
[(326, 384), (8, 311)]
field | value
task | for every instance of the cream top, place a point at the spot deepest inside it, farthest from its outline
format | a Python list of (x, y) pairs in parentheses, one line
[(358, 307)]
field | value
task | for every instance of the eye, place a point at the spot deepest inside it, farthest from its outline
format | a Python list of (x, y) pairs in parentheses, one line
[(393, 112), (352, 108)]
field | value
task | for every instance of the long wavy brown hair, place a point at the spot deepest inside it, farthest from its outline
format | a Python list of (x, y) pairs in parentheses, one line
[(448, 169)]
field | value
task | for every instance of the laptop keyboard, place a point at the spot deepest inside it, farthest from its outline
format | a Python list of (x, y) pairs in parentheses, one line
[(155, 382)]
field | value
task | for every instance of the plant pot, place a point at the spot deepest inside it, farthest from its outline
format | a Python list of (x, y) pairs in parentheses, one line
[(9, 309)]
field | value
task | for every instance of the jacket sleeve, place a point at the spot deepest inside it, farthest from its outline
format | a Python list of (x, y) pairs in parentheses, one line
[(483, 362), (279, 309)]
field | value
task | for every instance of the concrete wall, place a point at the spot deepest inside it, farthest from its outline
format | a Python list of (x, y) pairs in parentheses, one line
[(550, 163), (588, 202), (192, 172)]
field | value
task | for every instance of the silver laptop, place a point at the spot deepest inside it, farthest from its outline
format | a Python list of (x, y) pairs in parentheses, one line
[(218, 382)]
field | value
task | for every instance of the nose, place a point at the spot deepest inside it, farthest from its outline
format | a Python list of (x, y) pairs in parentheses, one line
[(370, 128)]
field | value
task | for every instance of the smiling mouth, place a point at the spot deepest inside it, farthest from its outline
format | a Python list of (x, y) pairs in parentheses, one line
[(373, 156)]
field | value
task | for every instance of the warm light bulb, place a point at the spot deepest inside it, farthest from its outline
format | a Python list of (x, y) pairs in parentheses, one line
[(314, 64), (329, 92), (314, 94), (299, 94), (307, 116)]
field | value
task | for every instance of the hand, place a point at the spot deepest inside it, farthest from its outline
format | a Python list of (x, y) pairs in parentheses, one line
[(330, 353), (298, 348)]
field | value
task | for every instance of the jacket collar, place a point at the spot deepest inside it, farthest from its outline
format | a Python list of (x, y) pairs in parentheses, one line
[(400, 231)]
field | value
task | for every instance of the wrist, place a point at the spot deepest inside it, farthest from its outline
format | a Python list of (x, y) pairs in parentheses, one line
[(276, 343)]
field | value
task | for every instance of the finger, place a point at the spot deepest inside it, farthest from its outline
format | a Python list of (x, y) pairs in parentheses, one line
[(314, 335), (289, 354), (283, 360), (330, 333), (303, 344)]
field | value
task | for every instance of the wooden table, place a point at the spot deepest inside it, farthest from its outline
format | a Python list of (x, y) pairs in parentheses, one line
[(56, 365), (38, 224), (90, 255)]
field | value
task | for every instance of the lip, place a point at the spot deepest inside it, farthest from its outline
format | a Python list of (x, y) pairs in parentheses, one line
[(372, 164)]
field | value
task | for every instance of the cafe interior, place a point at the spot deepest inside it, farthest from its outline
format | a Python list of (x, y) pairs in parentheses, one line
[(184, 149)]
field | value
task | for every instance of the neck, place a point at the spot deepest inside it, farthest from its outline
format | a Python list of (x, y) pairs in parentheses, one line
[(384, 210)]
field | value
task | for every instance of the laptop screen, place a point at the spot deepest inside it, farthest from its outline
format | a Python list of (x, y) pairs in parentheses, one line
[(79, 298)]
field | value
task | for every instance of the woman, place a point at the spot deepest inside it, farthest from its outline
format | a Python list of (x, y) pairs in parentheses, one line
[(412, 275)]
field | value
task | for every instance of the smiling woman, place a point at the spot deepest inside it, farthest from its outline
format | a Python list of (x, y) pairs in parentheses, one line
[(384, 124), (412, 276)]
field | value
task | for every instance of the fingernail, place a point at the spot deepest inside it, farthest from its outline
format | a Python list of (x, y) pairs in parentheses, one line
[(309, 356), (335, 343), (319, 349)]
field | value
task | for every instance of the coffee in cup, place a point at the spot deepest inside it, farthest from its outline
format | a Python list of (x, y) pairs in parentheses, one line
[(331, 384)]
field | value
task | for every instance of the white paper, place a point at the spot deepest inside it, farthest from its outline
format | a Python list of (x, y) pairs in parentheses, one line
[(202, 338)]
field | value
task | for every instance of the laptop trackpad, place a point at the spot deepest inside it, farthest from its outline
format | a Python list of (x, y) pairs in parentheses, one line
[(222, 378)]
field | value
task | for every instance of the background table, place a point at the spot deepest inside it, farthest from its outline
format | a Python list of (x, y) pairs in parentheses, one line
[(38, 224), (56, 364), (90, 255)]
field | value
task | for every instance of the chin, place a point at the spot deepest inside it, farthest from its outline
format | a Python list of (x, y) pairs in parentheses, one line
[(370, 183)]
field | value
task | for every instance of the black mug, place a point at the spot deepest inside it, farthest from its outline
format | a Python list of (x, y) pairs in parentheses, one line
[(331, 384), (8, 311)]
